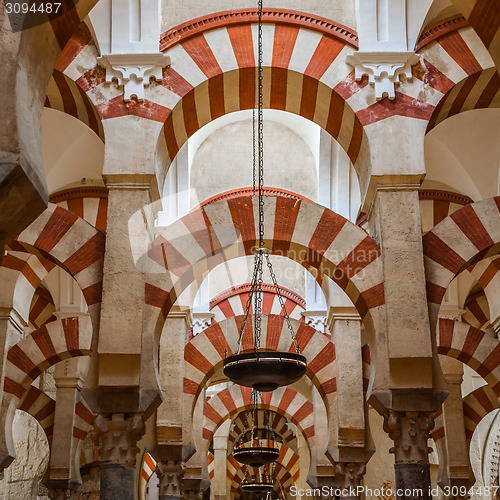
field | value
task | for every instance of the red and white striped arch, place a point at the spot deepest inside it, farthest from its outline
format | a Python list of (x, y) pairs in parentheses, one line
[(279, 423), (58, 340), (42, 308), (476, 406), (88, 202), (315, 237), (148, 467), (477, 309), (461, 73), (71, 242), (232, 302), (471, 346), (41, 407), (461, 239), (205, 353), (234, 403)]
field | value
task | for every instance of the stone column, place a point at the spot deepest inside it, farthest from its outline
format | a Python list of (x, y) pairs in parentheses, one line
[(349, 476), (219, 482), (62, 473), (119, 435), (410, 431), (456, 471), (170, 476)]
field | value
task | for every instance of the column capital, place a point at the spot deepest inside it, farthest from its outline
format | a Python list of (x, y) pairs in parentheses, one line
[(349, 473), (170, 476), (410, 431), (145, 182), (119, 436)]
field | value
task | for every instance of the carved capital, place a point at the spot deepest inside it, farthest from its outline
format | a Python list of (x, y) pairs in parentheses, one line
[(170, 476), (119, 435), (383, 69), (349, 474), (410, 431), (134, 71)]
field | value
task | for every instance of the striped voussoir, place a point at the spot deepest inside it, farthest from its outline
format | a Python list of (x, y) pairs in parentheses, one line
[(88, 202), (42, 308), (238, 474), (471, 346), (460, 240), (288, 460), (211, 465), (436, 205), (484, 17), (58, 340), (476, 406), (205, 353), (84, 420), (41, 407), (232, 302), (315, 237), (73, 243), (461, 73), (234, 402), (148, 467), (477, 309), (282, 427)]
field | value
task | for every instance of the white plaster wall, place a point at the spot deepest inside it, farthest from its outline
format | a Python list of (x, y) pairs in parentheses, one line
[(464, 152), (175, 12), (71, 150), (224, 161)]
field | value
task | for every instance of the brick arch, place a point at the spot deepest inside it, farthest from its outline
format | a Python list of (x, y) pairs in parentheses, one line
[(317, 238), (477, 309), (237, 473), (41, 309), (234, 402), (65, 95), (232, 302), (54, 342), (476, 406), (278, 422), (460, 240), (205, 353), (477, 91), (471, 346), (41, 407), (67, 240), (214, 73)]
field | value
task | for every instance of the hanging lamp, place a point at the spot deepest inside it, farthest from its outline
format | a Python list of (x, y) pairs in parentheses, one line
[(263, 370), (257, 456), (263, 484)]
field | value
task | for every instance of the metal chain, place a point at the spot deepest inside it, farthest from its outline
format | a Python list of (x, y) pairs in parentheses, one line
[(282, 304), (254, 154), (260, 123)]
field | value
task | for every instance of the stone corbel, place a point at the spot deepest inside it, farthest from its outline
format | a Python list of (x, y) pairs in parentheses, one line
[(316, 319), (134, 71), (383, 69)]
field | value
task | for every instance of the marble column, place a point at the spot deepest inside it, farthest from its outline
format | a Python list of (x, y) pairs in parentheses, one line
[(119, 436)]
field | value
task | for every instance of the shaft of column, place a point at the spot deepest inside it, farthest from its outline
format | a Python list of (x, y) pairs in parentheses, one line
[(410, 431), (119, 436)]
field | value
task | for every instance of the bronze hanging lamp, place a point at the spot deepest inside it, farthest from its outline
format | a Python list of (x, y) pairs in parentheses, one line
[(263, 370), (264, 483), (257, 456)]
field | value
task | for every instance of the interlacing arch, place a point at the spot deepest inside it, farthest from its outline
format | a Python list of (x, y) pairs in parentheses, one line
[(235, 403), (317, 238), (205, 353)]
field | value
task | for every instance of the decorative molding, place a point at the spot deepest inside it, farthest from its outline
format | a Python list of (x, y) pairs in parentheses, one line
[(383, 69), (119, 437), (244, 16), (249, 191), (134, 71), (78, 192), (170, 476), (350, 474), (201, 321), (266, 287), (441, 28), (410, 432), (316, 319), (439, 195)]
